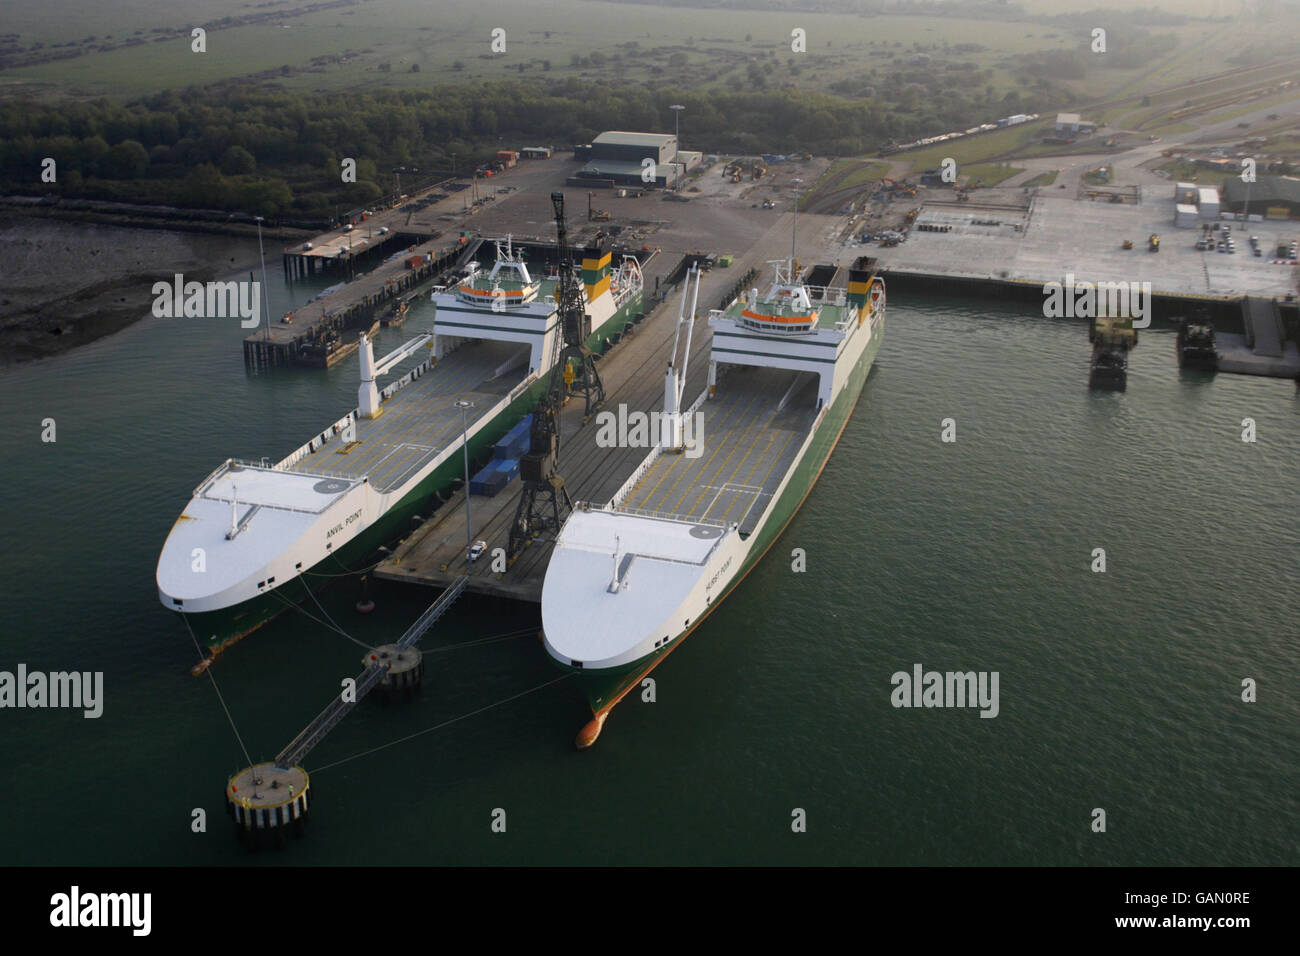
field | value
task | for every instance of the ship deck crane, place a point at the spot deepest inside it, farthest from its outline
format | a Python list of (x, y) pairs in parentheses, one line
[(368, 394)]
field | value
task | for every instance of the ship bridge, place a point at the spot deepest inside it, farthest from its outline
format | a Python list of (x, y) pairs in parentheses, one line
[(507, 285), (798, 327), (503, 303)]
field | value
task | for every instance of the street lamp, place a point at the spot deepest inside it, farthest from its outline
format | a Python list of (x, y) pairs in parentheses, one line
[(464, 407), (677, 115), (266, 290), (794, 230)]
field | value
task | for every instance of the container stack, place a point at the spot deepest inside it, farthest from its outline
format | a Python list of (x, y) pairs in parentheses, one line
[(504, 466)]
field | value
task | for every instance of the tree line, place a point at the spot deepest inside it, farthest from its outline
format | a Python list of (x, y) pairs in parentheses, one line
[(268, 151)]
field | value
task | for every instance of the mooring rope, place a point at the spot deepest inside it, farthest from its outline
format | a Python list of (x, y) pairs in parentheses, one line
[(333, 622), (495, 639), (445, 723), (345, 573), (328, 625), (208, 671)]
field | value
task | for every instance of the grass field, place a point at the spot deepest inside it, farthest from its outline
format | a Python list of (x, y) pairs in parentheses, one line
[(988, 174), (975, 149), (405, 33), (863, 174), (701, 48), (1043, 179), (1185, 172)]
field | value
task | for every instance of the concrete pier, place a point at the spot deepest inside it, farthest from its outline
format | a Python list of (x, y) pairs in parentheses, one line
[(633, 375), (1263, 348), (315, 334)]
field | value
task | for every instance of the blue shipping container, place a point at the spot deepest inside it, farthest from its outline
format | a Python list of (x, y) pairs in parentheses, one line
[(515, 442), (509, 467)]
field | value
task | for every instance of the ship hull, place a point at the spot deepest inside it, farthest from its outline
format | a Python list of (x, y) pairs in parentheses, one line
[(605, 688), (218, 629)]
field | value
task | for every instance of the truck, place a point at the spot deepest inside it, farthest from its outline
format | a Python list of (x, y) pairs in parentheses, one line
[(1153, 243)]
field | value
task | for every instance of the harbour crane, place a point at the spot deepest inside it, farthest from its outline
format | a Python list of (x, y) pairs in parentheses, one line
[(545, 502)]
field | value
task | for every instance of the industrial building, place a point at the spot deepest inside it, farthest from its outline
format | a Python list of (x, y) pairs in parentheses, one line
[(1274, 197), (1069, 125), (617, 158)]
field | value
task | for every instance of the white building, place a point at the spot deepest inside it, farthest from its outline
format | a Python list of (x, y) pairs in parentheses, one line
[(1207, 200)]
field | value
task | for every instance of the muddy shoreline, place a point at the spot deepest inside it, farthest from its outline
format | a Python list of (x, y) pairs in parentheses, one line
[(66, 283)]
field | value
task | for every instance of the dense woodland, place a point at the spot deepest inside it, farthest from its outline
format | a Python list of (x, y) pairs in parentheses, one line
[(263, 150)]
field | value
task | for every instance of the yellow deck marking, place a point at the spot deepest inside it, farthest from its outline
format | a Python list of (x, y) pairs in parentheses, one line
[(726, 412), (725, 433)]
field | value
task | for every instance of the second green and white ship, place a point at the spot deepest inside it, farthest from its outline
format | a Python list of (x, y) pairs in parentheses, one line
[(629, 578)]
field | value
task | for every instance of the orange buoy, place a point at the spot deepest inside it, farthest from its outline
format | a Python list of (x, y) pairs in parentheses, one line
[(590, 731)]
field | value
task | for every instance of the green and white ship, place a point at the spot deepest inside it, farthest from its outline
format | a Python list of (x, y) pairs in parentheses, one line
[(630, 578), (257, 538)]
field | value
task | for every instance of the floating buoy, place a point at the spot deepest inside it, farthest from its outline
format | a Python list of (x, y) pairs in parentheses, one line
[(590, 731), (265, 798)]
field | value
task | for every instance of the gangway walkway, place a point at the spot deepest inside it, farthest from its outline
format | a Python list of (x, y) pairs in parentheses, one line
[(338, 708)]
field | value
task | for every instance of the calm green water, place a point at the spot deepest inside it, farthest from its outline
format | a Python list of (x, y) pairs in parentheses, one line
[(1117, 690)]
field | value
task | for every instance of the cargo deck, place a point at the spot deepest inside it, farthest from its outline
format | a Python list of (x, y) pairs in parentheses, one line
[(752, 430), (422, 419), (633, 373)]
